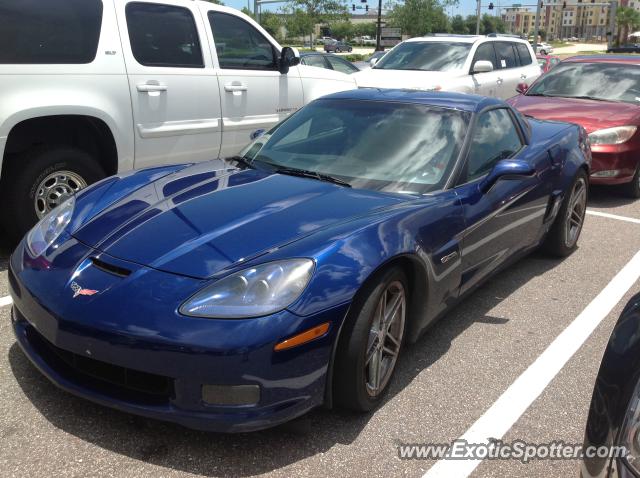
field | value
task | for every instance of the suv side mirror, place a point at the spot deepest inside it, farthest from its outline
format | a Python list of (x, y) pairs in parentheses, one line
[(506, 169), (482, 66), (522, 88), (288, 57), (373, 62)]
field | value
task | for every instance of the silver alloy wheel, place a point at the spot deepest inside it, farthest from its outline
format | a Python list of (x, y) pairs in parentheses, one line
[(385, 338), (55, 189), (576, 212)]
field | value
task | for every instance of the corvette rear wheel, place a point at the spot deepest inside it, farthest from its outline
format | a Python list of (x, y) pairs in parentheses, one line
[(371, 342), (565, 232)]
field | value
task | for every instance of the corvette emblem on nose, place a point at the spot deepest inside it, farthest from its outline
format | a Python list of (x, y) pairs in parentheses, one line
[(78, 290)]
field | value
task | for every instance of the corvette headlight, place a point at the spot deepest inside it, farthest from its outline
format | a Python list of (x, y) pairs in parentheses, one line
[(50, 227), (617, 135), (253, 292)]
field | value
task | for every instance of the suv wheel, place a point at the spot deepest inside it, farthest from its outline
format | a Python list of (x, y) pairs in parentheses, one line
[(41, 180)]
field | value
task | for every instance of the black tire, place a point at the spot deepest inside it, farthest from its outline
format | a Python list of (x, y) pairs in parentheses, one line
[(559, 242), (338, 50), (350, 379), (25, 174), (350, 50), (632, 189)]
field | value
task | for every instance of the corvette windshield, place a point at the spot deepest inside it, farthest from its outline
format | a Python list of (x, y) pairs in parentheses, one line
[(426, 56), (599, 81), (384, 146)]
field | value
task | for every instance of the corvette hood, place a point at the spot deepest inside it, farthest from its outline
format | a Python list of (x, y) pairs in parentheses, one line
[(406, 79), (592, 115), (199, 221)]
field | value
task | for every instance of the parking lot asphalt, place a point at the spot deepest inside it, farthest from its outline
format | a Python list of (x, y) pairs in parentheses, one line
[(444, 383)]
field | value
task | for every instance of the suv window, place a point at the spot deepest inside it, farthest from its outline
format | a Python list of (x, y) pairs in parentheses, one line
[(49, 31), (163, 35), (485, 52), (314, 60), (506, 55), (341, 65), (495, 138), (525, 55), (239, 45)]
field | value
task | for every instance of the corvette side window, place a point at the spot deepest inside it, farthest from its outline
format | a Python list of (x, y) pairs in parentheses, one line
[(495, 138)]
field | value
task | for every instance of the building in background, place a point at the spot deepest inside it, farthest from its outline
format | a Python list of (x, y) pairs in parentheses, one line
[(563, 19)]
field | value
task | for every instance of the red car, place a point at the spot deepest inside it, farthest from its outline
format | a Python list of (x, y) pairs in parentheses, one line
[(602, 94), (547, 62)]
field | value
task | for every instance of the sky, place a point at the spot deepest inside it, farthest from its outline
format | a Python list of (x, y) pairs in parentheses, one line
[(465, 7)]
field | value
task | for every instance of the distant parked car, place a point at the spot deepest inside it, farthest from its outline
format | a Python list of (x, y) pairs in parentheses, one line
[(614, 415), (601, 94), (544, 48), (328, 61), (338, 47), (488, 66), (547, 62), (629, 48)]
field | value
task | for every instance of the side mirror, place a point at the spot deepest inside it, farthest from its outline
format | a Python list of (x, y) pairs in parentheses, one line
[(522, 88), (506, 169), (373, 61), (482, 66), (288, 57)]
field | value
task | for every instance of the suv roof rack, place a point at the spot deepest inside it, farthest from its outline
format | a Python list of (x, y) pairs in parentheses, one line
[(506, 35), (457, 35)]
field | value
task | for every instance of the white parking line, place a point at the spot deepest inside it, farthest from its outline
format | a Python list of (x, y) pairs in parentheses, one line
[(501, 416), (6, 301), (613, 216)]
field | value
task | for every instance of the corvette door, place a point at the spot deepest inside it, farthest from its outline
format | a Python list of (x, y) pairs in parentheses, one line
[(508, 217)]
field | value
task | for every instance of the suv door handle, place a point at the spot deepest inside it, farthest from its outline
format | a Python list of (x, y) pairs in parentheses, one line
[(523, 76), (151, 87), (499, 81), (235, 87)]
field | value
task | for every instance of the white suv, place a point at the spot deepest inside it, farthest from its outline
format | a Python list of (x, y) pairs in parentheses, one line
[(483, 65), (94, 87)]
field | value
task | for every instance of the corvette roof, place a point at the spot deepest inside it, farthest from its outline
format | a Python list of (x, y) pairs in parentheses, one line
[(443, 99)]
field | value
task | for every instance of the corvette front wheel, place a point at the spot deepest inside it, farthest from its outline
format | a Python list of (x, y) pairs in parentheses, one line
[(562, 239), (371, 342)]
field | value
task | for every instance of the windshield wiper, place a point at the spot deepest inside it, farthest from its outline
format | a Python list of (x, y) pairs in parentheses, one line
[(303, 173), (241, 160)]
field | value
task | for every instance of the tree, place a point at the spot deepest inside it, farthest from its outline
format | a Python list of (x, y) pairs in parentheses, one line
[(298, 23), (488, 24), (342, 30), (362, 29), (628, 19), (217, 2), (272, 23), (458, 25), (309, 13), (419, 17), (247, 12)]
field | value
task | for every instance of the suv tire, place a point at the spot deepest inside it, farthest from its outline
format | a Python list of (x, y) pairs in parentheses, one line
[(26, 177)]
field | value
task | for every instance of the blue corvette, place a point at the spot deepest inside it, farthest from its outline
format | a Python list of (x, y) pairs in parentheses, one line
[(235, 295)]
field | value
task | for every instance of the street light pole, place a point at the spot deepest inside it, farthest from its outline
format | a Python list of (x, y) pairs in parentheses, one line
[(478, 19), (536, 27), (378, 46)]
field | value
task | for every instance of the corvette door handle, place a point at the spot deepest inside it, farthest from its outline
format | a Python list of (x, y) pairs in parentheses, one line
[(151, 87), (235, 87)]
